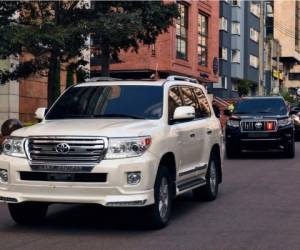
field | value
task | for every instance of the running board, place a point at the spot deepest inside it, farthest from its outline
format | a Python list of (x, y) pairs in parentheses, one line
[(190, 184)]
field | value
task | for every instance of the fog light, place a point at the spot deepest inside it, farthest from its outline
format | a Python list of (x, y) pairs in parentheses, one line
[(133, 178), (3, 176)]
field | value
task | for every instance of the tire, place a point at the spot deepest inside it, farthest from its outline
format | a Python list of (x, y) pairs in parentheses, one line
[(232, 152), (289, 149), (209, 192), (28, 213), (159, 212)]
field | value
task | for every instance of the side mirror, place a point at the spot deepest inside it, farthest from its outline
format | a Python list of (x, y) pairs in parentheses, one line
[(227, 112), (40, 113), (184, 113)]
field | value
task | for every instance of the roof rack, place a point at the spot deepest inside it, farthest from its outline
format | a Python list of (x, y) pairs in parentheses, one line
[(98, 79), (182, 78)]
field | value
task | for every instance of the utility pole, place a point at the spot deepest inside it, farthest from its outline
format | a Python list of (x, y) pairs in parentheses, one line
[(261, 85)]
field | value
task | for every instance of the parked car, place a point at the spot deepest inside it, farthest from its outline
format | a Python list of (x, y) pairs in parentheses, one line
[(260, 123), (118, 144)]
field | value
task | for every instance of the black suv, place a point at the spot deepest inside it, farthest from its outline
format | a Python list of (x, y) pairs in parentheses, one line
[(260, 123)]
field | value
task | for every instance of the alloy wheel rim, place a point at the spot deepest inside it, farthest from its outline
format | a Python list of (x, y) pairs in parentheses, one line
[(213, 177), (163, 198)]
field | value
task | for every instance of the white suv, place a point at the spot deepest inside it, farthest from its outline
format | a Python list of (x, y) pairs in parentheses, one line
[(115, 143)]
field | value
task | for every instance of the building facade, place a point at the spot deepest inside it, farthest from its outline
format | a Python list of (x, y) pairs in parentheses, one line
[(189, 48), (9, 96), (282, 45), (239, 47)]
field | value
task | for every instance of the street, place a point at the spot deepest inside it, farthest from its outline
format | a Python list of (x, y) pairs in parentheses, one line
[(258, 208)]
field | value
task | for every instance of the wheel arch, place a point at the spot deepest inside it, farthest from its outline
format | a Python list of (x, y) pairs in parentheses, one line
[(216, 151), (168, 160)]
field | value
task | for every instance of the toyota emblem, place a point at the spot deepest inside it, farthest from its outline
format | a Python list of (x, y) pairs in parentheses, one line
[(258, 125), (62, 148)]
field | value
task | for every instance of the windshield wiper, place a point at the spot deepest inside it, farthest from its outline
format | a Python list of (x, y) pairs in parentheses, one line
[(120, 116)]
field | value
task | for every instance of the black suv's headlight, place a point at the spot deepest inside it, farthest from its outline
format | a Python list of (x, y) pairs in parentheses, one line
[(14, 146), (284, 122), (233, 123)]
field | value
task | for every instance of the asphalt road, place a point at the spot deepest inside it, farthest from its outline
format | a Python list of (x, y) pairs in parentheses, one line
[(258, 208)]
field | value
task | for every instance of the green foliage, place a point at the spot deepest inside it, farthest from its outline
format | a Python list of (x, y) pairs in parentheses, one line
[(81, 75), (56, 32), (51, 31), (287, 96), (125, 25), (243, 87)]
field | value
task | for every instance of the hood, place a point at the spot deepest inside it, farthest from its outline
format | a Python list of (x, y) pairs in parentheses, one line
[(259, 117), (90, 127)]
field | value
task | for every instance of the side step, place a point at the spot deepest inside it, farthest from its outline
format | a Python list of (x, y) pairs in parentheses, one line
[(190, 184)]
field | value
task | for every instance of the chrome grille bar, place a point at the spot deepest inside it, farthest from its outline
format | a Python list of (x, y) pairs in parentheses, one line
[(78, 150), (251, 126)]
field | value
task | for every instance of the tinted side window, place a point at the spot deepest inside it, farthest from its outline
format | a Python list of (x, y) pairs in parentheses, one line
[(190, 100), (174, 101), (203, 103)]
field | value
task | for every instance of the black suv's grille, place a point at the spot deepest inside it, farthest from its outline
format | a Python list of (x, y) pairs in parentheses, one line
[(258, 126), (66, 149), (63, 177)]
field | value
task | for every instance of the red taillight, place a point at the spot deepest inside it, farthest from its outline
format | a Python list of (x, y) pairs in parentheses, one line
[(270, 125)]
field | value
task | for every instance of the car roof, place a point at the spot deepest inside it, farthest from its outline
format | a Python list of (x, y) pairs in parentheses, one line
[(160, 82), (122, 82)]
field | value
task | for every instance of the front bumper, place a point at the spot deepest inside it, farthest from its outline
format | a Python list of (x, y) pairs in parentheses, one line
[(113, 192), (261, 140)]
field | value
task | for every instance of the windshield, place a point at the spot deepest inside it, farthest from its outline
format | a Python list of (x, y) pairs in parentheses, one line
[(116, 101), (263, 106)]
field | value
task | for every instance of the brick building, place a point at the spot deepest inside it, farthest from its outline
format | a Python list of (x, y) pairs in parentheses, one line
[(189, 48), (20, 99)]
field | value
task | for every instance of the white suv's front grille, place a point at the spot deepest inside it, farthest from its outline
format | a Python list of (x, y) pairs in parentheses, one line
[(86, 150)]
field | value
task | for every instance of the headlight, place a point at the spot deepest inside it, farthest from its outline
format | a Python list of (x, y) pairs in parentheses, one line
[(14, 146), (233, 123), (127, 147), (284, 122)]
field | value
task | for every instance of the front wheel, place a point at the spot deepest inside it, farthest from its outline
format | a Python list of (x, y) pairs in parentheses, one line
[(232, 151), (209, 192), (160, 211), (289, 149), (28, 213)]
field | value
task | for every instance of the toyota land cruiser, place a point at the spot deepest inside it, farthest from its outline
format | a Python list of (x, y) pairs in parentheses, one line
[(118, 144), (260, 123)]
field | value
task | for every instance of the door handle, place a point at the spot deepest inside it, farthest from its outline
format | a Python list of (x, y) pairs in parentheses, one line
[(192, 135), (209, 131)]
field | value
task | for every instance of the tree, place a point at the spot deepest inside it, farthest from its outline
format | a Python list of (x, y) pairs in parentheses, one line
[(243, 87), (125, 25), (50, 31), (55, 32)]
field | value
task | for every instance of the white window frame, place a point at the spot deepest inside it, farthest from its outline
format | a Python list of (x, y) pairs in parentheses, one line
[(255, 8), (223, 23), (224, 53), (253, 61), (236, 58), (236, 28), (254, 35)]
